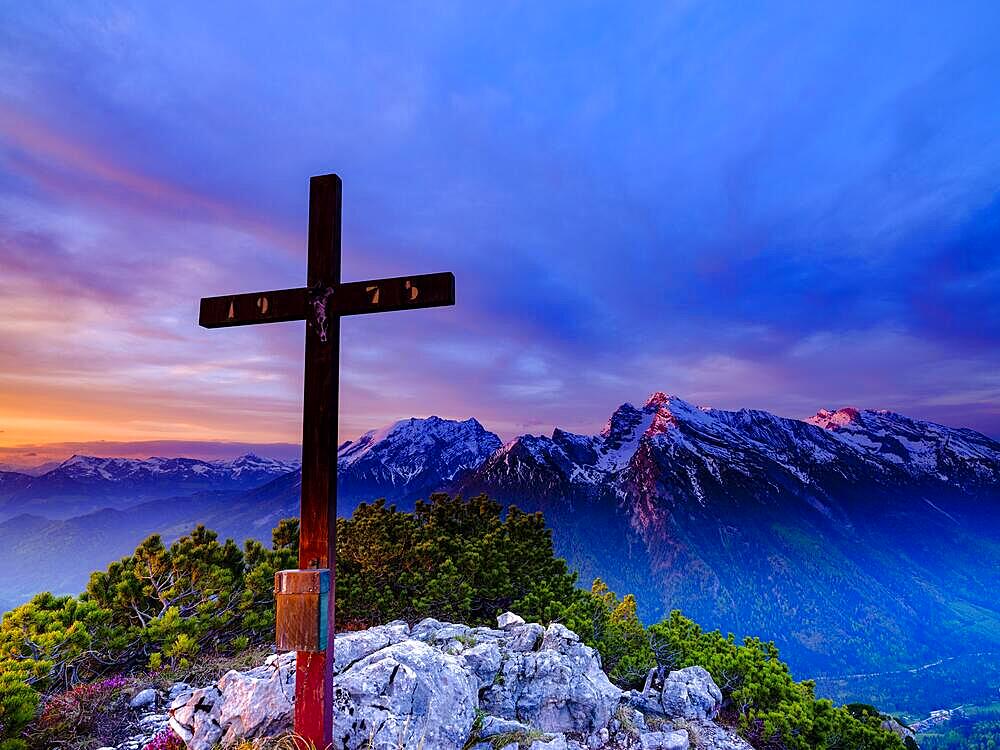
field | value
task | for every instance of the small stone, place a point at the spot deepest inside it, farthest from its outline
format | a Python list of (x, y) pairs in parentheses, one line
[(708, 734), (665, 740), (691, 693), (599, 739), (426, 629), (143, 698), (178, 688), (486, 634), (557, 637), (550, 742), (484, 660), (646, 704), (508, 620), (526, 637), (494, 725)]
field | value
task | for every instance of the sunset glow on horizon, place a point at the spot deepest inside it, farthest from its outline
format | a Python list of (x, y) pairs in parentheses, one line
[(683, 197)]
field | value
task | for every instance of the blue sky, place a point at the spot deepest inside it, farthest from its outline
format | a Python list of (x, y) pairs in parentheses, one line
[(784, 206)]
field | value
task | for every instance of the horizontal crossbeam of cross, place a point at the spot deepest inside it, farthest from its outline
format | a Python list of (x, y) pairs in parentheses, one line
[(352, 298)]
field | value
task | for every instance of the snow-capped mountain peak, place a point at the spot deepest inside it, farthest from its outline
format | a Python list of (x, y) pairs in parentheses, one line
[(414, 453), (412, 436), (657, 399), (918, 447), (700, 446), (94, 469), (252, 463), (832, 420), (83, 484)]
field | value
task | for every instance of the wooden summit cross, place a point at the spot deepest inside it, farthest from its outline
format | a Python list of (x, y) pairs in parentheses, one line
[(305, 609)]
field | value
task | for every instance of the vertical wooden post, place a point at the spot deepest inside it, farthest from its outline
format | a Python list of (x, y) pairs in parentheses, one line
[(321, 303), (317, 534)]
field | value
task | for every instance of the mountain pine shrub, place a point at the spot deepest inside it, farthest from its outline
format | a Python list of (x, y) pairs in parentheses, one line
[(184, 605), (760, 697), (18, 703)]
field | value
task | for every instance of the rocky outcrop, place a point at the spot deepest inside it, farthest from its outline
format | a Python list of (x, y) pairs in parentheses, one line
[(691, 694), (444, 686)]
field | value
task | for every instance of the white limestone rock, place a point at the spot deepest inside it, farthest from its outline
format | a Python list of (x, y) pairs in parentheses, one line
[(509, 620), (405, 695), (351, 647), (559, 688), (445, 686), (691, 693), (143, 699), (676, 740), (708, 734), (178, 689)]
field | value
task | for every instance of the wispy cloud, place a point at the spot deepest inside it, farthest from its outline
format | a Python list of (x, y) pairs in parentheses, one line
[(783, 208)]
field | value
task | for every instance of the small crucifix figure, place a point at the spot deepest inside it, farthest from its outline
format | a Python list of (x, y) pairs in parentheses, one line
[(306, 597)]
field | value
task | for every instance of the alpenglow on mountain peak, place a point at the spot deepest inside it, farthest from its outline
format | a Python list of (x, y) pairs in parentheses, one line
[(434, 453)]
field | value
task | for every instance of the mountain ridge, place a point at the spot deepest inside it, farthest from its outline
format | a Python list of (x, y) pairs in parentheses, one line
[(828, 533), (746, 519), (82, 484)]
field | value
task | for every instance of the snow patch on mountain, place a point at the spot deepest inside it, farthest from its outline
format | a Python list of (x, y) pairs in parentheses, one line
[(620, 437), (918, 447)]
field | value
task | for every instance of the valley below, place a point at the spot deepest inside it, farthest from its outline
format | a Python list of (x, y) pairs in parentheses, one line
[(965, 684)]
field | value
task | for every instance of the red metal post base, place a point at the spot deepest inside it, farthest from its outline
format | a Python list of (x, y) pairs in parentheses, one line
[(313, 692)]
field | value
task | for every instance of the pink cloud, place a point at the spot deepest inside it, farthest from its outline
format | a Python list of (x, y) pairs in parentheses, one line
[(84, 172)]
